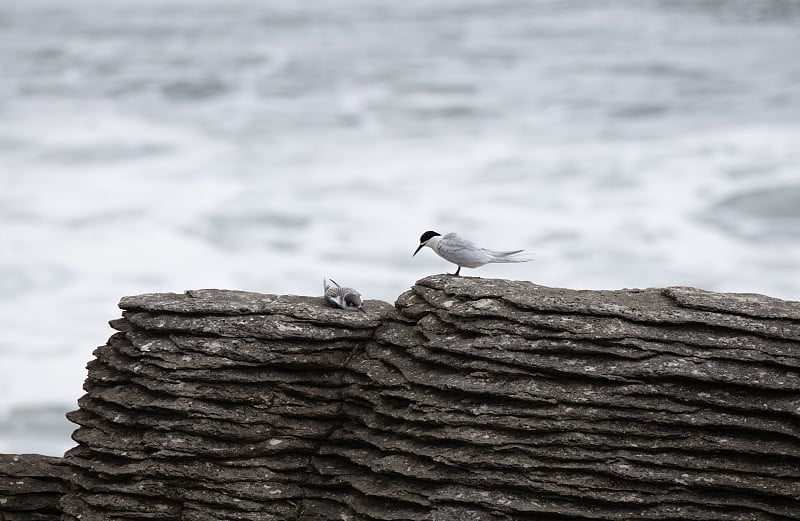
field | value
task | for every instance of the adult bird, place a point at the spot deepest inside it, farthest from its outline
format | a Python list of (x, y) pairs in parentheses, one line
[(464, 253)]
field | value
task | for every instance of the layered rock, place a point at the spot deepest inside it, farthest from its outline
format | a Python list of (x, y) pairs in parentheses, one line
[(31, 487), (471, 399)]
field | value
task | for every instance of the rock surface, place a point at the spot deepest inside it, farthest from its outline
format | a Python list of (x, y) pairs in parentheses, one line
[(31, 487), (471, 399)]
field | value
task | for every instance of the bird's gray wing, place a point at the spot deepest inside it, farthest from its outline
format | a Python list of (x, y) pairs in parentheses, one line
[(503, 253), (331, 292), (509, 256), (461, 251)]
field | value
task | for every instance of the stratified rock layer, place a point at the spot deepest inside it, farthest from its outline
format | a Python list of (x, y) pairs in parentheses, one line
[(471, 399), (31, 487)]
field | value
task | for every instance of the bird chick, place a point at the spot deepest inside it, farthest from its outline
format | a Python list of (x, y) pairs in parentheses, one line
[(344, 298)]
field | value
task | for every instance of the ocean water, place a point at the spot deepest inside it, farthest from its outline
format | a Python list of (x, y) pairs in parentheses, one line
[(153, 146)]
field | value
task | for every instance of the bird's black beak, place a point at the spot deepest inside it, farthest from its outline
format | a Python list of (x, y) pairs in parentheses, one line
[(362, 310), (418, 248)]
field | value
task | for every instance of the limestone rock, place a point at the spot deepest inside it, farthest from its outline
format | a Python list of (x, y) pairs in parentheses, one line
[(470, 399), (31, 487)]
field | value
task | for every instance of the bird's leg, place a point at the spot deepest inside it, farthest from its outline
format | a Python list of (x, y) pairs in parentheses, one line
[(457, 271)]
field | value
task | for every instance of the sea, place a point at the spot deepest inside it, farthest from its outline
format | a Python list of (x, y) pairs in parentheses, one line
[(159, 146)]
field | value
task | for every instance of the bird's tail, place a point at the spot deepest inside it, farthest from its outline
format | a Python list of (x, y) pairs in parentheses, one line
[(510, 256)]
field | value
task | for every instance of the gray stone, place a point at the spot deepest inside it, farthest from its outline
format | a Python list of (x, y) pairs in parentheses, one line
[(470, 399), (31, 487)]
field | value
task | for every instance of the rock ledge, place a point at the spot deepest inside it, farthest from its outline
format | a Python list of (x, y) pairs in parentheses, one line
[(470, 398)]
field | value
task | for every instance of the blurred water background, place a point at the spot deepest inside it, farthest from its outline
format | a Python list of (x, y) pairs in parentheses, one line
[(151, 146)]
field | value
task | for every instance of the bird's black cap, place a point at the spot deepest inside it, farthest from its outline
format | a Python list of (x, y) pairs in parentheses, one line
[(427, 235)]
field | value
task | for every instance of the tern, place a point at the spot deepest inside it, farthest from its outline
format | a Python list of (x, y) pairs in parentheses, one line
[(463, 253), (345, 298)]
